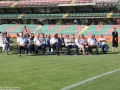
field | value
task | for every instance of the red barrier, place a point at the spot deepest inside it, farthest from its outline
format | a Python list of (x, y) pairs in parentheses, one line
[(108, 37)]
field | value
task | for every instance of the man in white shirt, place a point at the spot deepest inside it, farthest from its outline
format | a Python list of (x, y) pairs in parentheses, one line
[(54, 43), (78, 42), (22, 45), (38, 44), (103, 45), (68, 44), (92, 44)]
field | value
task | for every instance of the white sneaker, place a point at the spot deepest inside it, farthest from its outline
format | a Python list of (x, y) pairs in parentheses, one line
[(51, 50)]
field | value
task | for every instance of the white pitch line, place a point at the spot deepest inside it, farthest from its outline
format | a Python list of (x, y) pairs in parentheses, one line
[(89, 79)]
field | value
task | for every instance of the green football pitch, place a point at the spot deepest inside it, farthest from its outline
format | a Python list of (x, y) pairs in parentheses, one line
[(54, 72)]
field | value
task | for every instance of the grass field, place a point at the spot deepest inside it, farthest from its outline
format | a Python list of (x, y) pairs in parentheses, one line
[(54, 72)]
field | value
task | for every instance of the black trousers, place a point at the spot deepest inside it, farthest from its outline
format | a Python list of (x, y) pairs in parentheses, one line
[(60, 46), (55, 45), (39, 47), (90, 48), (72, 46), (32, 47), (26, 47), (48, 45)]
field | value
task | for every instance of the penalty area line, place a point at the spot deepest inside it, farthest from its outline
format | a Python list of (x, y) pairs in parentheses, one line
[(89, 79)]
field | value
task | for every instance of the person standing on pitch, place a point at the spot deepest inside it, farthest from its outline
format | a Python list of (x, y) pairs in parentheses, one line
[(114, 40), (24, 30)]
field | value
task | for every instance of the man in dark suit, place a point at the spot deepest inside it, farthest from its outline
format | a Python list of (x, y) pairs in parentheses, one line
[(61, 42)]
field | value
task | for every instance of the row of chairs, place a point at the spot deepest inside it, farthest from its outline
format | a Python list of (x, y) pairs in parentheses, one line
[(64, 50)]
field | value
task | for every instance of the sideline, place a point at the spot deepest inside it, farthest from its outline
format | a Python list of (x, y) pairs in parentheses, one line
[(89, 79)]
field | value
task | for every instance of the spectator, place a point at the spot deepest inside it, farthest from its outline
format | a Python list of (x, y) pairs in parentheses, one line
[(54, 43), (94, 37), (22, 45), (84, 45), (61, 42), (68, 44), (78, 42), (5, 43), (103, 45), (38, 44), (48, 43), (73, 41), (31, 42), (92, 44), (44, 39)]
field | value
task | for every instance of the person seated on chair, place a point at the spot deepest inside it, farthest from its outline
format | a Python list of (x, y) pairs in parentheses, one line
[(38, 44), (31, 42), (10, 42), (84, 45), (78, 42), (92, 44), (1, 39), (43, 35), (27, 35), (103, 45), (68, 44), (54, 43), (73, 41), (94, 37), (22, 45), (26, 41), (48, 43), (61, 42), (44, 39), (5, 43), (56, 35)]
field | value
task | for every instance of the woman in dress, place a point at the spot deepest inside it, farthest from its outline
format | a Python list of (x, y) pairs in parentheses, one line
[(114, 40)]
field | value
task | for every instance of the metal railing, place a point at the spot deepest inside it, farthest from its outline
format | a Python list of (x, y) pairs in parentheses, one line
[(106, 1)]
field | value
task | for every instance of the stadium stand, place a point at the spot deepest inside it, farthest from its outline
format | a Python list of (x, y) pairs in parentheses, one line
[(6, 3), (38, 3), (65, 29), (61, 15), (103, 1)]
